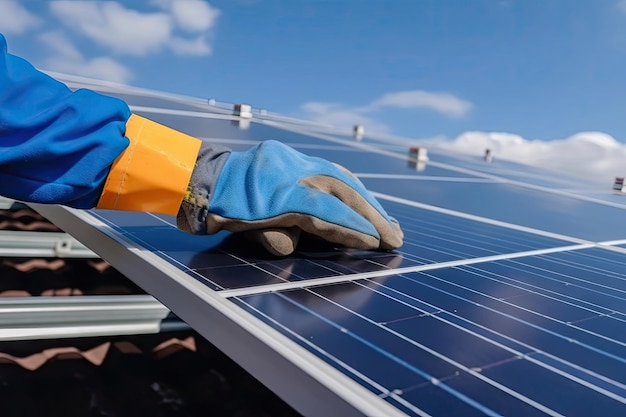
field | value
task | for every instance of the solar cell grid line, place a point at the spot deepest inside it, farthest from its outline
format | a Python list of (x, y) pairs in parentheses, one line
[(604, 229), (560, 288), (485, 244), (607, 297), (598, 279), (270, 273), (549, 295), (184, 250), (449, 222), (482, 408), (480, 231), (438, 236), (508, 203), (388, 272), (605, 253), (403, 370), (173, 247), (468, 216), (454, 319), (550, 333), (358, 375), (563, 312), (472, 290), (594, 262), (612, 317), (511, 342), (443, 357), (542, 242), (518, 353)]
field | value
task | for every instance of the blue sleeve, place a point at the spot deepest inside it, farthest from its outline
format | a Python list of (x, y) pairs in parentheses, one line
[(56, 146)]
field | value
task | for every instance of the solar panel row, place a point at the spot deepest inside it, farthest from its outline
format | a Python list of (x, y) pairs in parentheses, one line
[(511, 323), (506, 299)]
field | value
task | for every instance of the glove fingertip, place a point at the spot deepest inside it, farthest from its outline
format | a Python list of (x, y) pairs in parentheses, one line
[(278, 241), (393, 239)]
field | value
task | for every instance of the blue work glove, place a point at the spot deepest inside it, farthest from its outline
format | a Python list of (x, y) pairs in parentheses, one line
[(278, 192)]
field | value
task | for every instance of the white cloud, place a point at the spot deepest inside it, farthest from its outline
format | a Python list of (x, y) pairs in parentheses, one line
[(15, 19), (594, 155), (444, 103), (69, 60), (102, 68), (334, 114), (197, 46), (110, 24), (340, 115), (191, 15), (57, 42), (131, 32), (621, 6)]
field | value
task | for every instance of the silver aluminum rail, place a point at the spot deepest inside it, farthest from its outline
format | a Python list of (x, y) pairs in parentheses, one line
[(42, 244), (28, 318)]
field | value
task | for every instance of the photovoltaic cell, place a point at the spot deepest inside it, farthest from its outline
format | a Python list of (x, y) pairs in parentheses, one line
[(513, 204), (496, 330), (227, 261), (507, 297)]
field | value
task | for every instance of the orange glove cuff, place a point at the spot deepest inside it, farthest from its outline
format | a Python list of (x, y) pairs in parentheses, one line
[(153, 173)]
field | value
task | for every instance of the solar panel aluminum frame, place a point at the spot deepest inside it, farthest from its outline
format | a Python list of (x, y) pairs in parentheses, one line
[(308, 384)]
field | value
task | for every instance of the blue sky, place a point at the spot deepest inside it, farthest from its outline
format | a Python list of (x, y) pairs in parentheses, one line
[(496, 73)]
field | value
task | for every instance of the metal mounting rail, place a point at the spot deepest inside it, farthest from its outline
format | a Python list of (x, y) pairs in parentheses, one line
[(28, 318), (42, 244)]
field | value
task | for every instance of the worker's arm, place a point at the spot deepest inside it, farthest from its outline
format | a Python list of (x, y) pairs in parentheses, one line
[(83, 149), (56, 146)]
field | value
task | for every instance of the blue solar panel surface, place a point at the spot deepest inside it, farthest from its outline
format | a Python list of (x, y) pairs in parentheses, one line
[(507, 297)]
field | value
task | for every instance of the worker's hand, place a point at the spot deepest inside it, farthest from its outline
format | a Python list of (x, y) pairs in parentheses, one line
[(276, 192)]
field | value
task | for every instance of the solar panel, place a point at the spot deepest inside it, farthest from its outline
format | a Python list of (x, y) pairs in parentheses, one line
[(507, 297)]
